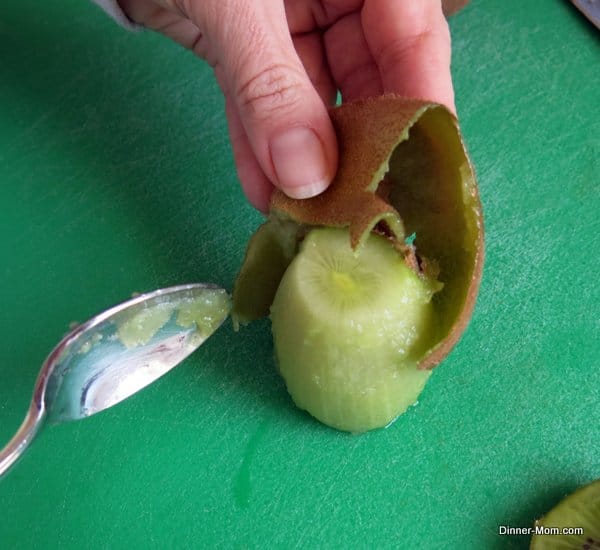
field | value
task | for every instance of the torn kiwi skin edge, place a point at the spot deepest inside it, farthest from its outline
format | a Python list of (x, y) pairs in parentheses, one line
[(403, 169)]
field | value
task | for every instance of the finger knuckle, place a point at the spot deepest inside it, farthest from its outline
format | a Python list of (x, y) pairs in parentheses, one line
[(178, 6), (397, 52), (273, 89), (422, 26)]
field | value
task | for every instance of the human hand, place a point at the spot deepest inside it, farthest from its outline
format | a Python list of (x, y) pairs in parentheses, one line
[(280, 63)]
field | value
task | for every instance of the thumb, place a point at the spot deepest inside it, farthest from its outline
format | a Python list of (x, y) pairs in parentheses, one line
[(285, 121)]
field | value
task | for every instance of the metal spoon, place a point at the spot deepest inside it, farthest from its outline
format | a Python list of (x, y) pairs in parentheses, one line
[(117, 353)]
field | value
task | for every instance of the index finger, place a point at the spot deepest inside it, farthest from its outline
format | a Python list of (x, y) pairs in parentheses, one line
[(410, 42)]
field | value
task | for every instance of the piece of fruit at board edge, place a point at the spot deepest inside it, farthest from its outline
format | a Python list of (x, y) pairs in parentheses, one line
[(579, 509), (403, 170)]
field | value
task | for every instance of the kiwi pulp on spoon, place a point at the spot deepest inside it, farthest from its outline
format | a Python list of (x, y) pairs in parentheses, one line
[(403, 169), (580, 509)]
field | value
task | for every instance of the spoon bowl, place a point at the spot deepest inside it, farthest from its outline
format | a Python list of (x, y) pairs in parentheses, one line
[(117, 353)]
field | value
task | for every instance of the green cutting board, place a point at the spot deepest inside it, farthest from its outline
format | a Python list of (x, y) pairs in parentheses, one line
[(116, 176)]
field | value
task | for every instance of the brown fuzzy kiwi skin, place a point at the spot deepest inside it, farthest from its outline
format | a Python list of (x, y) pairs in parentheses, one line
[(369, 131), (450, 7), (365, 145)]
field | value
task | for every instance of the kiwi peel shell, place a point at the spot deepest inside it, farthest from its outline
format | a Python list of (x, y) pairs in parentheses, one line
[(269, 252), (403, 169)]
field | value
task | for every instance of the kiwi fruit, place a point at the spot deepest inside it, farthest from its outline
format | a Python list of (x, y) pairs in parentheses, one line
[(370, 284), (573, 524), (349, 328)]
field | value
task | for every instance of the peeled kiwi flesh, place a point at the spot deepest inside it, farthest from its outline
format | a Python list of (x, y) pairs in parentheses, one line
[(349, 328)]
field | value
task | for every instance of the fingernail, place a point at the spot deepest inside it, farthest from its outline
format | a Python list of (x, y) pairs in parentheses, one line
[(300, 164)]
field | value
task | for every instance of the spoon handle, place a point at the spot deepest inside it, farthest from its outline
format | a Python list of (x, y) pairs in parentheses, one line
[(24, 436)]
